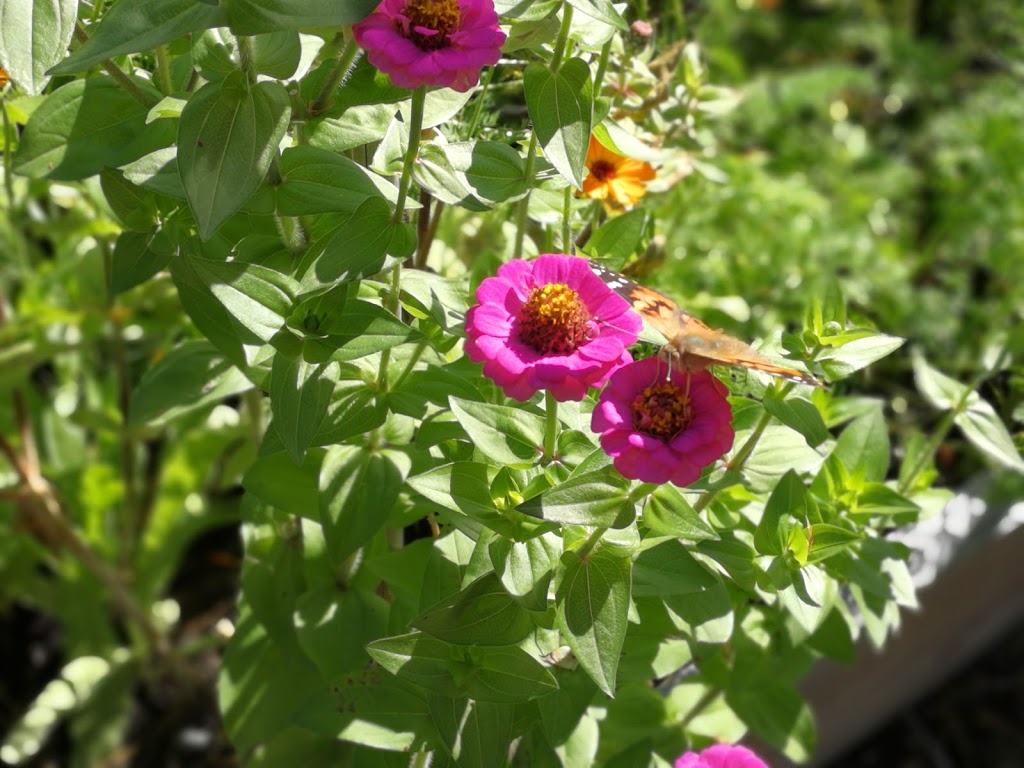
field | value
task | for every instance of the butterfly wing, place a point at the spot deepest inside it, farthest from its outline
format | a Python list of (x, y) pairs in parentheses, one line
[(693, 343)]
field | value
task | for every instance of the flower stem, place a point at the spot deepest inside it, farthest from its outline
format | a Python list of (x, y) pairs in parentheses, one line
[(522, 217), (602, 67), (346, 59), (415, 129), (119, 77), (551, 428), (392, 304), (740, 459), (590, 543), (474, 123), (567, 243), (164, 69), (563, 37)]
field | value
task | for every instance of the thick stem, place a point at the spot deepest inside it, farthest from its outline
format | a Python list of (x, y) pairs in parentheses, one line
[(567, 243), (551, 426), (563, 37), (415, 129), (164, 69), (590, 543), (119, 77), (522, 214), (346, 59)]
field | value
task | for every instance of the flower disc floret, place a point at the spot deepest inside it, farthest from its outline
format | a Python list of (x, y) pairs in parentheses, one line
[(721, 756), (549, 324), (432, 42), (662, 430)]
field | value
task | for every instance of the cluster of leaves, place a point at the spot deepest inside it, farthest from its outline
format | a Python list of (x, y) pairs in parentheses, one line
[(420, 574)]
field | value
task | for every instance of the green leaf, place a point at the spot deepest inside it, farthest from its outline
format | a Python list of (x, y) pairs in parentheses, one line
[(358, 489), (228, 135), (669, 569), (317, 181), (252, 17), (464, 487), (334, 625), (481, 614), (787, 503), (618, 238), (192, 376), (135, 206), (85, 126), (494, 171), (158, 172), (561, 108), (799, 414), (137, 257), (864, 448), (773, 710), (828, 540), (986, 431), (356, 247), (433, 172), (360, 329), (880, 499), (602, 10), (277, 480), (255, 299), (131, 26), (857, 354), (34, 35), (485, 674), (592, 608), (937, 388), (300, 394), (476, 733), (667, 512), (598, 498), (526, 568), (505, 435)]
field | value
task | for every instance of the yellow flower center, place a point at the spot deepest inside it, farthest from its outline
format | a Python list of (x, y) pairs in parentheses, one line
[(662, 411), (602, 170), (554, 320), (441, 16)]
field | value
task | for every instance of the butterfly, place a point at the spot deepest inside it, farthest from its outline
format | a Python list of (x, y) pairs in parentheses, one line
[(692, 344)]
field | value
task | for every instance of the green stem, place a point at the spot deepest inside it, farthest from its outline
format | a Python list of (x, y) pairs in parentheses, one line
[(342, 66), (551, 426), (740, 459), (415, 129), (567, 244), (8, 178), (602, 67), (522, 214), (563, 37), (164, 69), (474, 123), (392, 304), (416, 354), (119, 77), (245, 57), (590, 543)]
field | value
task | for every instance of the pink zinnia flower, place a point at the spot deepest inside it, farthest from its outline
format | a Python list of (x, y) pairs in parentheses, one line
[(549, 324), (721, 756), (663, 431), (432, 42)]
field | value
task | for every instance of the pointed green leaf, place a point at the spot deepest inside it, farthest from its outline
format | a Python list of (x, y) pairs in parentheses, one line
[(317, 181), (300, 394), (787, 503), (228, 135), (505, 435), (476, 733), (863, 447), (668, 513), (34, 35), (669, 569), (86, 125), (131, 26), (358, 489), (592, 609), (986, 431), (561, 108), (599, 498), (526, 568), (334, 625), (251, 17), (799, 414), (481, 614)]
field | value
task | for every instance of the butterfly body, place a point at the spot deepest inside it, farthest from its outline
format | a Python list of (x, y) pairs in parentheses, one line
[(691, 344)]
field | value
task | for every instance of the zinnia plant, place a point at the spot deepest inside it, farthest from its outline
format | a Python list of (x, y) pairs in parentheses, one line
[(549, 324), (432, 42), (616, 180), (663, 430), (721, 756)]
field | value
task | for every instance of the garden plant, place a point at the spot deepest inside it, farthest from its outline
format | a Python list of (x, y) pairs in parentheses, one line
[(422, 298)]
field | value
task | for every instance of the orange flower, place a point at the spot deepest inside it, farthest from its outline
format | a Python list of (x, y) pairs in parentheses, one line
[(617, 180), (4, 77)]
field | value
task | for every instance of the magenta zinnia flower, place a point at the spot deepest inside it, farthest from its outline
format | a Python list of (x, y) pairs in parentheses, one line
[(549, 324), (663, 431), (721, 756), (432, 42)]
